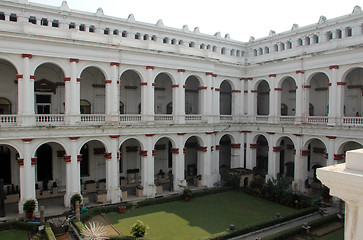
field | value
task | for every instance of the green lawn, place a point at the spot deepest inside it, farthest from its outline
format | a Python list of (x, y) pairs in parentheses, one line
[(200, 217), (337, 235), (14, 234)]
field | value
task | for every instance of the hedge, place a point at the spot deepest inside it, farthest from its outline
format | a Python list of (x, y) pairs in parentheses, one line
[(153, 201), (253, 228), (287, 234), (106, 209), (49, 232), (19, 225)]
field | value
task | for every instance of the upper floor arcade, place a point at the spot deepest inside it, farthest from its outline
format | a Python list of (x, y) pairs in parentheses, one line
[(48, 91)]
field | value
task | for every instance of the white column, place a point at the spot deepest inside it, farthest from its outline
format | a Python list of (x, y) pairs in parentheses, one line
[(27, 175), (147, 96), (147, 169), (331, 150), (27, 90), (209, 98), (300, 100), (179, 180), (275, 100), (345, 181), (334, 95), (242, 141), (112, 96), (215, 160), (241, 103), (112, 172), (272, 158), (252, 100), (340, 93), (300, 174), (216, 103), (236, 101), (180, 101), (74, 95), (250, 152), (236, 156), (73, 172), (204, 156)]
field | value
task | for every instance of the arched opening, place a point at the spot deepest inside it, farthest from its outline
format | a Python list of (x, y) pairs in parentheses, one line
[(93, 168), (263, 98), (9, 88), (225, 100), (49, 95), (319, 94), (163, 165), (316, 159), (93, 89), (130, 92), (261, 157), (9, 172), (163, 93), (191, 161), (353, 100), (130, 166), (224, 154), (287, 159), (288, 97), (50, 169), (192, 95), (347, 146)]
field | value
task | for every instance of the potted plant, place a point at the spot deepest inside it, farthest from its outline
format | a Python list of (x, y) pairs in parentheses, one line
[(76, 197), (29, 207), (325, 193), (187, 194)]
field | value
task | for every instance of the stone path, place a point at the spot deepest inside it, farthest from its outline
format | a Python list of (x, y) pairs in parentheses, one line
[(111, 230)]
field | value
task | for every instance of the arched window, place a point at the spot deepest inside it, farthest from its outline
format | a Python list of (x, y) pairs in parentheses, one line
[(169, 108), (122, 108), (283, 109), (85, 107), (5, 106)]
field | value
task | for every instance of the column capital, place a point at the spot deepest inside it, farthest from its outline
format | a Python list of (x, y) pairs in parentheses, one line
[(67, 158), (299, 71), (27, 139), (73, 138), (150, 67), (108, 81), (114, 64), (25, 55), (21, 161), (209, 74), (181, 70), (143, 153), (114, 136), (272, 75), (333, 67), (331, 137), (34, 161), (108, 155), (75, 60), (236, 145)]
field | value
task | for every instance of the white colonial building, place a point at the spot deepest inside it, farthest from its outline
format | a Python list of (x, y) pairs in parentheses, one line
[(93, 103)]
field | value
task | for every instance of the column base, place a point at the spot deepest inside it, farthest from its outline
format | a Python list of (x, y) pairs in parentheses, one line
[(297, 186), (149, 190), (114, 195), (207, 181)]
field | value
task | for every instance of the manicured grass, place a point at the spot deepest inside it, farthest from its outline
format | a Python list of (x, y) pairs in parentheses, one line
[(337, 235), (14, 234), (199, 217)]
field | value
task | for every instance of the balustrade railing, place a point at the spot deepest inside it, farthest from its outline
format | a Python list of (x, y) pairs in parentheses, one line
[(49, 118), (8, 119), (130, 118), (353, 121), (93, 118), (190, 117), (262, 119), (287, 119), (317, 120), (226, 118), (163, 118)]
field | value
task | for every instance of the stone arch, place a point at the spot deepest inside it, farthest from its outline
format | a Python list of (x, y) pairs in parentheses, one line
[(192, 95), (62, 64), (102, 67), (130, 91), (315, 150), (163, 92), (345, 146), (262, 146), (263, 97), (225, 152), (319, 93), (353, 100), (285, 146), (49, 95), (93, 88), (8, 76), (226, 99), (192, 159)]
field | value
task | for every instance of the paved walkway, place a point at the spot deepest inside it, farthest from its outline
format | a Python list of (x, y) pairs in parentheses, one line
[(281, 227)]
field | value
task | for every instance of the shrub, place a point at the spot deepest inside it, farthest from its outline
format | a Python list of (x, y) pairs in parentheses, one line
[(187, 192), (19, 225), (232, 180), (29, 206), (76, 197), (138, 229)]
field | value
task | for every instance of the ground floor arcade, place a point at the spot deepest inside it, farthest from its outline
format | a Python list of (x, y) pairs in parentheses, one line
[(117, 167)]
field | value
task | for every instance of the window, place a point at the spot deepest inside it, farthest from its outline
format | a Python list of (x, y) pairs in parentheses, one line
[(33, 20), (13, 17), (348, 32), (55, 23), (44, 22), (5, 106), (91, 29), (329, 36), (115, 32), (124, 34), (82, 27), (85, 107), (2, 16), (106, 31), (72, 25), (43, 102), (339, 33)]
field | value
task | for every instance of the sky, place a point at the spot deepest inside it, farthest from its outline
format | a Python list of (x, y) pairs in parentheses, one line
[(240, 18)]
